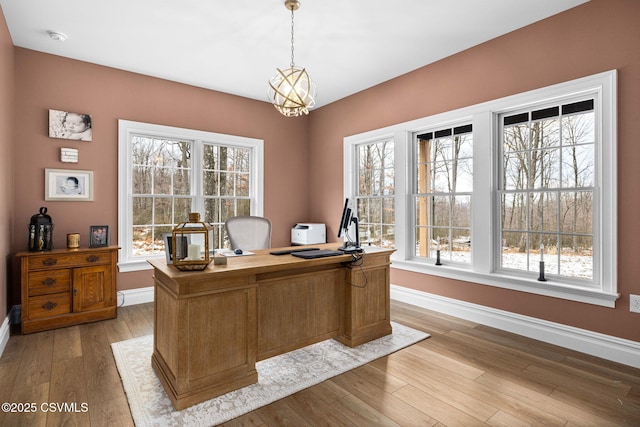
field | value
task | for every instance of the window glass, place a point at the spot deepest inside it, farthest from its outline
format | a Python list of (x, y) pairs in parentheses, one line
[(375, 193), (547, 190), (444, 184)]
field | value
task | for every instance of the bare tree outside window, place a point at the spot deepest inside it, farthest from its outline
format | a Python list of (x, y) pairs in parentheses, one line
[(375, 195)]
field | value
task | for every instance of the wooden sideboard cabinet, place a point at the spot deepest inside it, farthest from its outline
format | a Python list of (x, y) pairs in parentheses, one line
[(65, 287)]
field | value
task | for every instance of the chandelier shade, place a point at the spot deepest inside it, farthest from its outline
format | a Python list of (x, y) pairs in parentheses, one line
[(291, 90)]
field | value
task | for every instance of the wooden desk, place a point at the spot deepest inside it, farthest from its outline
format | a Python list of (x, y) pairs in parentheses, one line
[(212, 326)]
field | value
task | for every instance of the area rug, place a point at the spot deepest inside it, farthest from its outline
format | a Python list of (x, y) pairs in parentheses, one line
[(278, 377)]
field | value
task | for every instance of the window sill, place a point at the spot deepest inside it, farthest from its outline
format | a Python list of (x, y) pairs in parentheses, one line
[(549, 288), (137, 265)]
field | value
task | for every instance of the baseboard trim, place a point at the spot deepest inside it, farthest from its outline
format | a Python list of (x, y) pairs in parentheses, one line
[(5, 330), (607, 347), (135, 296), (4, 334)]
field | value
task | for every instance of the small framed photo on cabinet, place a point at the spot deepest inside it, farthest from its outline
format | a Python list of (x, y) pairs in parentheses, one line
[(98, 236)]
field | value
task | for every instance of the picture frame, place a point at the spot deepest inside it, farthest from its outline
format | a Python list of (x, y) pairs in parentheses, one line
[(168, 248), (98, 236), (68, 125), (68, 185)]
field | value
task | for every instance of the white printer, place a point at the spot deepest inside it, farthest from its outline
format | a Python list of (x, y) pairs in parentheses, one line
[(308, 234)]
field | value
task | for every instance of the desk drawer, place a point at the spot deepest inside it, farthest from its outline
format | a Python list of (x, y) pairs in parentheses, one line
[(83, 259), (49, 282), (49, 305)]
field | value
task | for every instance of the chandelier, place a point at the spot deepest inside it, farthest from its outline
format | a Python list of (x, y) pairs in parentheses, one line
[(291, 90)]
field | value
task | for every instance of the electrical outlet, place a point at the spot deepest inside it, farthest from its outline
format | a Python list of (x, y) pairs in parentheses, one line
[(634, 303)]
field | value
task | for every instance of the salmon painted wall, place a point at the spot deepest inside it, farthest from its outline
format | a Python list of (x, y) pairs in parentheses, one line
[(46, 82), (7, 98), (598, 36)]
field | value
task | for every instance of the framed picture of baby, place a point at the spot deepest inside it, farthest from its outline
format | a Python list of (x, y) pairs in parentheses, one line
[(98, 236), (66, 125), (68, 184)]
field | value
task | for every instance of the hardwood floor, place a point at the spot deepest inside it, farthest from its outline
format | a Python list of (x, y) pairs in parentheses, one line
[(465, 374)]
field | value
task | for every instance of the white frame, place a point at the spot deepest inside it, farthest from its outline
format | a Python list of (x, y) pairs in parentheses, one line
[(127, 262), (52, 184), (484, 118)]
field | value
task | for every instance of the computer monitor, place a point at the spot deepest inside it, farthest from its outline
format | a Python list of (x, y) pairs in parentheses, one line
[(346, 220)]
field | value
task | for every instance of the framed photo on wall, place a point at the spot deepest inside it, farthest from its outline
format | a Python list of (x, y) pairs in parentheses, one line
[(98, 236), (66, 125), (70, 185)]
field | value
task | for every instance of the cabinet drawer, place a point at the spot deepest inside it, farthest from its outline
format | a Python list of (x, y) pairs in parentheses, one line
[(49, 305), (82, 259), (49, 282)]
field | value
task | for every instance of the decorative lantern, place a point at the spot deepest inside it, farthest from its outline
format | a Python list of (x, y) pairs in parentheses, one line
[(190, 244), (41, 232)]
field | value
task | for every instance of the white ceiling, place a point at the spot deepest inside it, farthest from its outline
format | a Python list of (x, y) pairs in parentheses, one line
[(235, 46)]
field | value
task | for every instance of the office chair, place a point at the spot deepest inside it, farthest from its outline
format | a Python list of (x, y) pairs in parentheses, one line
[(248, 232)]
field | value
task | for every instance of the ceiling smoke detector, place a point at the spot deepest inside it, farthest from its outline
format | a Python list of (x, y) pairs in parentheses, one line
[(57, 36)]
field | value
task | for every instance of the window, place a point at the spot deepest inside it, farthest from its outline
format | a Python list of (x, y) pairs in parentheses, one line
[(498, 185), (547, 190), (167, 172), (444, 185), (375, 193)]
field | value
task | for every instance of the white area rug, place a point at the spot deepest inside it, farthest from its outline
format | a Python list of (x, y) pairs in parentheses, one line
[(278, 377)]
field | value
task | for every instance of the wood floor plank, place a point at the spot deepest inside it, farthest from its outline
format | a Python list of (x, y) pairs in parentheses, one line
[(280, 413), (436, 408), (117, 330), (68, 402), (378, 377), (361, 414), (103, 380), (248, 420), (546, 403), (138, 321), (35, 396), (382, 398), (315, 411), (328, 391), (109, 413), (67, 343), (36, 360)]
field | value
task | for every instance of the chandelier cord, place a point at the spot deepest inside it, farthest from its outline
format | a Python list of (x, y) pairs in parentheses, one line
[(292, 62)]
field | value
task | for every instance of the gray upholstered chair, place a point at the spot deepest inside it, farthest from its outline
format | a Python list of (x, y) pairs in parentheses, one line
[(249, 232)]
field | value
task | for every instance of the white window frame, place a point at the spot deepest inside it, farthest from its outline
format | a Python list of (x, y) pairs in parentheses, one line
[(484, 118), (127, 262)]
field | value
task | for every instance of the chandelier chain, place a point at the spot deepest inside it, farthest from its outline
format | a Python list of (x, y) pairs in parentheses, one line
[(292, 62)]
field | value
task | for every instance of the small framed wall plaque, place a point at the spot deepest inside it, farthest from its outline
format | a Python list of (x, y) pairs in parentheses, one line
[(69, 155)]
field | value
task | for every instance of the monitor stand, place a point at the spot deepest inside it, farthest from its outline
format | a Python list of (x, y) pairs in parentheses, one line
[(350, 248), (353, 247)]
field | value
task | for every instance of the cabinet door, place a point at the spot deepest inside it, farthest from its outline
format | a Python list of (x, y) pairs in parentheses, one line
[(93, 288)]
